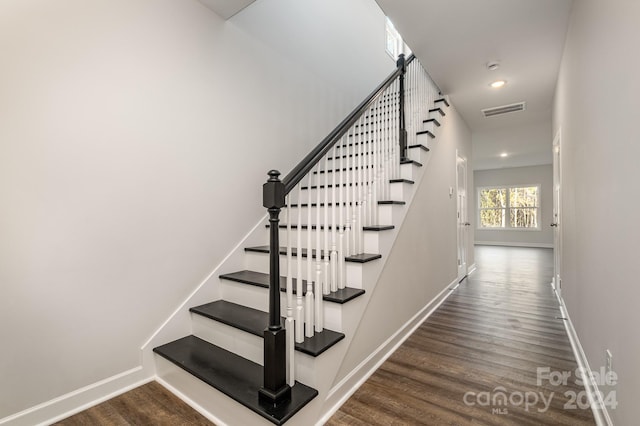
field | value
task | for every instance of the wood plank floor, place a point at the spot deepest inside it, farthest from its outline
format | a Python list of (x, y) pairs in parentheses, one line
[(150, 404), (486, 341)]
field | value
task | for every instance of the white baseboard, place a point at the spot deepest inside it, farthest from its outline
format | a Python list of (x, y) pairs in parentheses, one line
[(599, 409), (73, 402), (340, 393), (509, 244), (471, 269), (191, 403)]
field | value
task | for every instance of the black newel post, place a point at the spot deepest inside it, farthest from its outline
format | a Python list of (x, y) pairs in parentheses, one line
[(403, 131), (275, 388)]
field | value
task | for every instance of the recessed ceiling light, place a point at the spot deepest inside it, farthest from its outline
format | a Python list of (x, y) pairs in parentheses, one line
[(498, 84), (504, 154)]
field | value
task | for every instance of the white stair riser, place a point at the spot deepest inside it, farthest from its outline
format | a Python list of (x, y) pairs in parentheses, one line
[(257, 298), (437, 115), (370, 239), (366, 174), (259, 262), (409, 171), (347, 214), (344, 191), (419, 154), (401, 191), (245, 344), (423, 139), (431, 126)]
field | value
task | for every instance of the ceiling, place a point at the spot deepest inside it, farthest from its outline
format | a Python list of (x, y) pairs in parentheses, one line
[(226, 8), (455, 39)]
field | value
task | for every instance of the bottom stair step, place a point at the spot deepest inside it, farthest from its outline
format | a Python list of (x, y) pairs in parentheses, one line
[(232, 375), (254, 321)]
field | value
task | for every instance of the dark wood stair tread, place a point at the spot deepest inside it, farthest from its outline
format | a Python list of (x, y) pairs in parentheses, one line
[(441, 100), (304, 188), (261, 279), (236, 377), (295, 205), (376, 228), (422, 147), (358, 154), (344, 169), (400, 180), (410, 161), (358, 258), (426, 132), (254, 321), (432, 120)]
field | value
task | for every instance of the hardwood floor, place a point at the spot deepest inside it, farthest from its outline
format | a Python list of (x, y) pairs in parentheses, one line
[(476, 359), (484, 344), (150, 404)]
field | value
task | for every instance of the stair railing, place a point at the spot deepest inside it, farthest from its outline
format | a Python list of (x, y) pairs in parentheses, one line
[(343, 178)]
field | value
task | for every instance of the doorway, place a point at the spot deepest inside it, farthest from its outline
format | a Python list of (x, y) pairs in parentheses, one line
[(462, 216), (556, 223)]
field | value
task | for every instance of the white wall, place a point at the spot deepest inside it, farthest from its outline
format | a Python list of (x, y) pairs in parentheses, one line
[(597, 109), (424, 255), (533, 175), (135, 137)]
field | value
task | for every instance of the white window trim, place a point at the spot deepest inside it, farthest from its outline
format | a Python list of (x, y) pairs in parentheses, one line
[(508, 226)]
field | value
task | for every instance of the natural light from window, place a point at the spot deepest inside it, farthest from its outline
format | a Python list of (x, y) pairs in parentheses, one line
[(509, 207)]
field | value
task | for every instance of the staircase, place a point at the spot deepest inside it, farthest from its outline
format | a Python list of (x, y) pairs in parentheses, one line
[(341, 208)]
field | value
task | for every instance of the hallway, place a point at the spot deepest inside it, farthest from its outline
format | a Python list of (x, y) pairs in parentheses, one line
[(484, 357)]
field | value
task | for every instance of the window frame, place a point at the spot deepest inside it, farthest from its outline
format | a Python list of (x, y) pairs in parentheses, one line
[(508, 208), (391, 34)]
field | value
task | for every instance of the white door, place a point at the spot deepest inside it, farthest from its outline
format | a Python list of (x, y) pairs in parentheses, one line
[(462, 218), (556, 220)]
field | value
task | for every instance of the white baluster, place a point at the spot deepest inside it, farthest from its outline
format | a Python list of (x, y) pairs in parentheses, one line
[(396, 128), (341, 221), (289, 323), (318, 310), (299, 314), (308, 302), (360, 182), (334, 225), (348, 226), (326, 283), (373, 168), (318, 322)]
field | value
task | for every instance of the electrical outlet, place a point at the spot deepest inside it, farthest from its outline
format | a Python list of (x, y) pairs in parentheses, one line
[(609, 362)]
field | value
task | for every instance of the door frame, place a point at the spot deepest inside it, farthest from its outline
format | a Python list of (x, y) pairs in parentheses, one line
[(556, 221), (462, 216)]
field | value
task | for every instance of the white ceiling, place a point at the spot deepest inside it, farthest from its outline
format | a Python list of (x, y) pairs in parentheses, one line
[(454, 40)]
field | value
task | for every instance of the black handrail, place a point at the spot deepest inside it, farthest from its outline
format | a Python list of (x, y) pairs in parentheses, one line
[(305, 166), (275, 389)]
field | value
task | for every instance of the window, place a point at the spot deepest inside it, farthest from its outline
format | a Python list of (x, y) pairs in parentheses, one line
[(516, 207), (393, 40), (394, 43)]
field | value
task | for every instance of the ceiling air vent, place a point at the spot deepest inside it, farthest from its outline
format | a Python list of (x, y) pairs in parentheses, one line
[(504, 109)]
